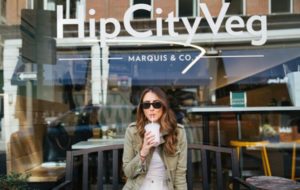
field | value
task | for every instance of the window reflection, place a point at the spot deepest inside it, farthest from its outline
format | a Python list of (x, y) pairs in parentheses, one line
[(278, 6), (236, 7), (187, 8), (142, 14)]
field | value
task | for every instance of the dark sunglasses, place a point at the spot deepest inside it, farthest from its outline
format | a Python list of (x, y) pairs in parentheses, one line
[(156, 105)]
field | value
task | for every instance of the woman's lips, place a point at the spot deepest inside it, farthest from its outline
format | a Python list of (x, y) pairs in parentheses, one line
[(152, 116)]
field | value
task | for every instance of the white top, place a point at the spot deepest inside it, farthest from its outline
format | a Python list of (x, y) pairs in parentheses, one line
[(156, 167), (156, 176)]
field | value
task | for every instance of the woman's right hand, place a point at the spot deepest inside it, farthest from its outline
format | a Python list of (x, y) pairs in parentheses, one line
[(149, 142)]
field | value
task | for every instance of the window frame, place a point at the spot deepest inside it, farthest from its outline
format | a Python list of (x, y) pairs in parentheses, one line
[(67, 14), (289, 12), (151, 13), (244, 12), (196, 8), (30, 4), (3, 11)]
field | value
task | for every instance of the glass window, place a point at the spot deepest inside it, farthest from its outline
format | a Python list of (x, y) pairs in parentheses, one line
[(72, 10), (186, 8), (30, 4), (279, 6), (3, 9), (235, 7), (142, 14), (49, 5)]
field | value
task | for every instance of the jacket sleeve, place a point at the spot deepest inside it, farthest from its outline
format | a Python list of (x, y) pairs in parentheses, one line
[(180, 173), (132, 164)]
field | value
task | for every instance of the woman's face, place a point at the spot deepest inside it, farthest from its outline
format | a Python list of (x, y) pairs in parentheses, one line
[(154, 112)]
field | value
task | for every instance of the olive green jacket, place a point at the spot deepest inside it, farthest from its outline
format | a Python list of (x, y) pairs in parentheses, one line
[(135, 170)]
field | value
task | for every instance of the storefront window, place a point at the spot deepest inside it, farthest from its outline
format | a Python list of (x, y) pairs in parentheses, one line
[(187, 8), (91, 77), (236, 7), (278, 6), (70, 7), (142, 14)]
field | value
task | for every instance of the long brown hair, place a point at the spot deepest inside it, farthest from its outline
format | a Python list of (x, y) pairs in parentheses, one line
[(167, 121)]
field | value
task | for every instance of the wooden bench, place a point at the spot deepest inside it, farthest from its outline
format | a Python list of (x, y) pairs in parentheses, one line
[(83, 160), (25, 155)]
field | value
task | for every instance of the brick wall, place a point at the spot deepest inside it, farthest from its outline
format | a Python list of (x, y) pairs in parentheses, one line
[(214, 6), (100, 7), (13, 11), (108, 8), (296, 6), (257, 7), (167, 6)]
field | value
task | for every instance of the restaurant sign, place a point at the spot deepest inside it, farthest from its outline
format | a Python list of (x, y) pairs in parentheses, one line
[(234, 25)]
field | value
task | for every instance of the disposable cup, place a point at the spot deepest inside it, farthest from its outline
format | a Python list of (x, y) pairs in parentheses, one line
[(154, 129)]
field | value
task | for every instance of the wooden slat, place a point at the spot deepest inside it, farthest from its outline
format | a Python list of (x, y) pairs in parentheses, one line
[(204, 169), (190, 170), (85, 169), (100, 170), (220, 183), (115, 169)]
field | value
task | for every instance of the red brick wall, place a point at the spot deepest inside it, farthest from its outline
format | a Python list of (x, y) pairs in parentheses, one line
[(166, 5), (13, 11), (257, 7), (214, 6), (100, 6), (117, 8), (296, 6)]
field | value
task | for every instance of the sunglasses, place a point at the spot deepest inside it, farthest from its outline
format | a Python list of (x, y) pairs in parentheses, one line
[(156, 105)]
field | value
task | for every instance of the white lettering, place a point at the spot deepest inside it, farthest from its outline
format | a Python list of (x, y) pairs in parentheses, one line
[(61, 22), (92, 24), (131, 58), (103, 34), (170, 20), (234, 25), (129, 14), (214, 26), (262, 32), (191, 30), (230, 25), (159, 23)]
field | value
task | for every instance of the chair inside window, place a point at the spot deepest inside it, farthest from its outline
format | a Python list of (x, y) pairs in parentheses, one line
[(216, 165), (261, 145)]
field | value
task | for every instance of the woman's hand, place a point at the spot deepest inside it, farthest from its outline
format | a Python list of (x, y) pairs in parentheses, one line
[(149, 142)]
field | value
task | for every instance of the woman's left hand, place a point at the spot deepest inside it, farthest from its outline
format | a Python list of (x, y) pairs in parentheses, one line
[(149, 142)]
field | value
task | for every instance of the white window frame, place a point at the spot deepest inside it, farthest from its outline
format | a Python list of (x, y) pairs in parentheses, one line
[(291, 7), (2, 18), (30, 4), (151, 13), (196, 8), (244, 7), (51, 5)]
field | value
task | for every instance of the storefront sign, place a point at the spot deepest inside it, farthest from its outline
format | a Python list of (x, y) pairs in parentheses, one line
[(234, 25), (238, 99)]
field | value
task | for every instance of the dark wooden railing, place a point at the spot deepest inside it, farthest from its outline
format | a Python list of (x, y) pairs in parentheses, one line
[(105, 159)]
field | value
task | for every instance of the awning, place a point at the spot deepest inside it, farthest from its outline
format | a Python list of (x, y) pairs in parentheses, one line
[(159, 68)]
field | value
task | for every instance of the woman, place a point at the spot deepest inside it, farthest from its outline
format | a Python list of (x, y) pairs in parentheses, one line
[(146, 165)]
